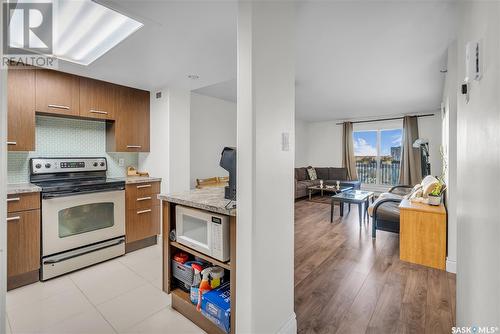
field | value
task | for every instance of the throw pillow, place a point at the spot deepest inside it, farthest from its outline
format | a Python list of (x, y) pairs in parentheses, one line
[(428, 185), (312, 173), (415, 190)]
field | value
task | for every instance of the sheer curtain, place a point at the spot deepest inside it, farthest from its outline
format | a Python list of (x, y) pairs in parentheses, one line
[(348, 159), (410, 170)]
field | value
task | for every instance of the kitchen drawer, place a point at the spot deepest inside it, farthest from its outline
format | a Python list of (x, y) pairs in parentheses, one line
[(23, 242), (145, 202), (22, 202), (149, 188), (142, 195), (142, 224)]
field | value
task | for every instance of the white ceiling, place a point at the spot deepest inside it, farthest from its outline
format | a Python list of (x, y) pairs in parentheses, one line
[(178, 38), (366, 58), (353, 59), (223, 90)]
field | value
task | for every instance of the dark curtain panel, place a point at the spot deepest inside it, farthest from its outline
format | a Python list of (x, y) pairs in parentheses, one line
[(348, 159), (411, 171)]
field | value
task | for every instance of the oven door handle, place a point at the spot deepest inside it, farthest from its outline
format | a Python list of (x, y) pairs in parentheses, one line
[(77, 192), (91, 249)]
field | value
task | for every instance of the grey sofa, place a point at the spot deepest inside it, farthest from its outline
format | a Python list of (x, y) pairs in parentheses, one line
[(329, 175)]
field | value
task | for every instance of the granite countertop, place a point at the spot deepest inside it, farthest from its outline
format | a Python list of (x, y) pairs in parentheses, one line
[(210, 199), (138, 179), (19, 188)]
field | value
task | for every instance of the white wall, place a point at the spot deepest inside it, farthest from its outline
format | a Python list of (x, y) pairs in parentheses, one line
[(169, 147), (449, 135), (301, 143), (430, 128), (266, 110), (213, 126), (324, 144), (3, 185), (478, 181)]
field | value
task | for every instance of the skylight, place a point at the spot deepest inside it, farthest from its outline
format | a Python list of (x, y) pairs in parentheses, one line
[(84, 30)]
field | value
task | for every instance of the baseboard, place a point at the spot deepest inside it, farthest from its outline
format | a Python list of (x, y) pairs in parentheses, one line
[(138, 244), (17, 281), (451, 266), (290, 326)]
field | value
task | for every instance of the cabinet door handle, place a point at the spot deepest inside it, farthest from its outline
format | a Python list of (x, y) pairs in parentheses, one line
[(144, 186), (12, 143), (143, 211), (13, 199), (143, 198), (98, 112), (134, 146), (13, 218), (57, 106)]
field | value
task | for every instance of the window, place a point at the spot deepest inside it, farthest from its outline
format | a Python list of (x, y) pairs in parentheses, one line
[(378, 155)]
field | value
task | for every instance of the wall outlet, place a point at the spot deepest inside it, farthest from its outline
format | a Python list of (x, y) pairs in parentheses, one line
[(121, 162)]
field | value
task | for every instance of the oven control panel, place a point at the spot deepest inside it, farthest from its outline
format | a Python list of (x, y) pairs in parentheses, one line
[(65, 165)]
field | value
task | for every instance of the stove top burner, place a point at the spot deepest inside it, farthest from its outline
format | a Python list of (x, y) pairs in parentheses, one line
[(72, 175)]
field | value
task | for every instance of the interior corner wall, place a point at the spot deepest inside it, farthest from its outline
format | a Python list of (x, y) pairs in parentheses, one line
[(430, 128), (213, 126), (449, 135), (156, 162), (266, 114), (169, 144), (478, 161), (301, 143), (3, 186)]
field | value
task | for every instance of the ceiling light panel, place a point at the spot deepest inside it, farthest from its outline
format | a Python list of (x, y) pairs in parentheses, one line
[(84, 30)]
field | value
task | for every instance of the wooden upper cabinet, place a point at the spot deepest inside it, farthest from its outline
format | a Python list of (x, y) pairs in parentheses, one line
[(130, 131), (21, 110), (97, 99), (57, 93)]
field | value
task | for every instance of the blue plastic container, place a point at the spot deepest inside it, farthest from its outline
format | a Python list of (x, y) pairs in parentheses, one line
[(216, 306)]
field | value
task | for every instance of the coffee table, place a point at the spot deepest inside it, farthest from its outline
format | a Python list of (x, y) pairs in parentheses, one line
[(358, 197), (333, 190)]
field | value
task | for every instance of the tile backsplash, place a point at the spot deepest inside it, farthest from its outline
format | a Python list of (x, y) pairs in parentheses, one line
[(66, 137)]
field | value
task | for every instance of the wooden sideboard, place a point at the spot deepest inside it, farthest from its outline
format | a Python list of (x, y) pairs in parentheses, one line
[(423, 234)]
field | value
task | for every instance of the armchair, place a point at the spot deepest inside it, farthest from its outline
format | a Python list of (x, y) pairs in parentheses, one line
[(385, 210)]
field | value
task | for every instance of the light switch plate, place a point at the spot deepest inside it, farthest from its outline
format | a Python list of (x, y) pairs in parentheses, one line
[(285, 141), (121, 162)]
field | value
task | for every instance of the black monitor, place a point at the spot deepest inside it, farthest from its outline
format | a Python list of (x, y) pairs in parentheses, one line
[(228, 162)]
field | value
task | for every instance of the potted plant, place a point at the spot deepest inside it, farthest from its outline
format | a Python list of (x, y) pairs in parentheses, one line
[(435, 196)]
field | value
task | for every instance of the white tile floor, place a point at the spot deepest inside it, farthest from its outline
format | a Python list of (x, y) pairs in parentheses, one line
[(119, 296)]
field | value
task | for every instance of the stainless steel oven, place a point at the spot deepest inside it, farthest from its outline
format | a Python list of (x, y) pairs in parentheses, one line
[(83, 213)]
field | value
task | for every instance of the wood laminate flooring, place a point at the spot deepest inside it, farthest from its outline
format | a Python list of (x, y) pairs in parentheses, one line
[(346, 282)]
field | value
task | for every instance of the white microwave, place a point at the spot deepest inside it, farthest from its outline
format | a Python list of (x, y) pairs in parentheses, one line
[(206, 232)]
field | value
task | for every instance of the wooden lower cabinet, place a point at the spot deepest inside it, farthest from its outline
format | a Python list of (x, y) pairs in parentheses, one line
[(23, 248), (142, 215), (422, 234)]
